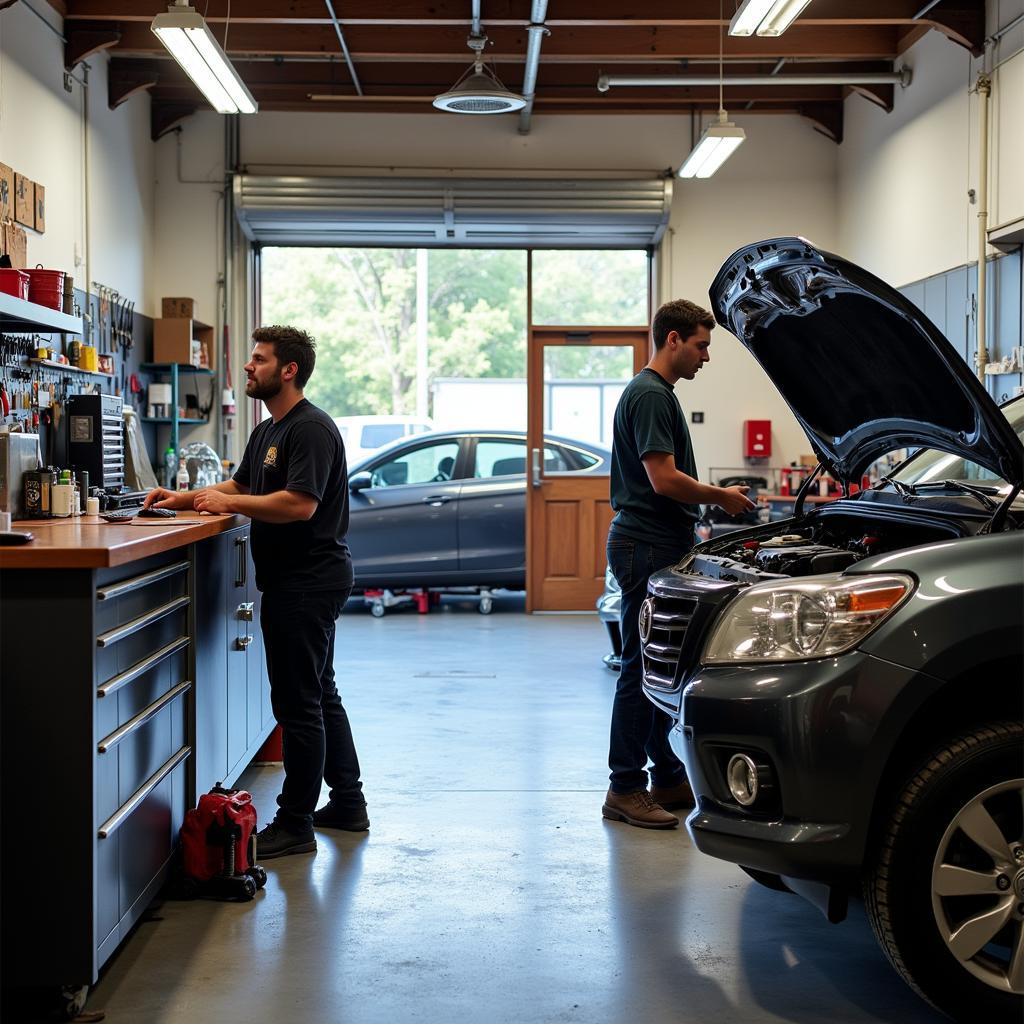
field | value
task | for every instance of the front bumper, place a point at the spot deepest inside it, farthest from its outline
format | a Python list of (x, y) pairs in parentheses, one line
[(819, 729)]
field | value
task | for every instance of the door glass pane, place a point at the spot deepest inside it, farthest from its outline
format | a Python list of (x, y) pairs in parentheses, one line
[(432, 464), (590, 287), (582, 383)]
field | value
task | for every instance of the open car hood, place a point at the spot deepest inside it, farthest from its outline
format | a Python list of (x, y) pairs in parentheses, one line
[(864, 370)]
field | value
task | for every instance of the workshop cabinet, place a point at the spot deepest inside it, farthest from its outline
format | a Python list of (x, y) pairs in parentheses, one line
[(233, 715)]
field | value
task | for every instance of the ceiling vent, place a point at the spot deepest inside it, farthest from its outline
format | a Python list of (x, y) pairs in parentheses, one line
[(479, 91)]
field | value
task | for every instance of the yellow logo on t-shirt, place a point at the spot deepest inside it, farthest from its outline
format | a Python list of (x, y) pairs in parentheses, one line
[(271, 458)]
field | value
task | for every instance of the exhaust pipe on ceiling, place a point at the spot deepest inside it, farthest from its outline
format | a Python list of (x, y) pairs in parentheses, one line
[(537, 30), (902, 78)]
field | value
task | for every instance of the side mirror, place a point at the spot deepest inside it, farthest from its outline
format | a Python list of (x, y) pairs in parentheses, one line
[(360, 482)]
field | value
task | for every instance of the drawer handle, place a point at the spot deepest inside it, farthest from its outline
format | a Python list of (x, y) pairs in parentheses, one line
[(113, 635), (243, 642), (245, 610), (138, 668), (118, 818), (143, 717), (138, 582)]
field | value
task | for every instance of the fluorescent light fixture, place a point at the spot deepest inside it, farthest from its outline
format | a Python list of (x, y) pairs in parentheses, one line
[(716, 145), (190, 42), (765, 17)]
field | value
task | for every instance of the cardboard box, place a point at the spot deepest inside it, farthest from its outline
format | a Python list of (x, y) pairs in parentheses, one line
[(809, 460), (40, 208), (177, 340), (15, 244), (6, 192), (178, 308), (24, 200)]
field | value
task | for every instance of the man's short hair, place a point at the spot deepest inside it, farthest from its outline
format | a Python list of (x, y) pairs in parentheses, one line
[(681, 316), (290, 346)]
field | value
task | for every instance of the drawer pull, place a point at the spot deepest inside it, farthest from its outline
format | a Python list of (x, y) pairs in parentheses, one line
[(143, 716), (140, 667), (245, 610), (138, 582), (118, 818), (113, 635), (243, 642)]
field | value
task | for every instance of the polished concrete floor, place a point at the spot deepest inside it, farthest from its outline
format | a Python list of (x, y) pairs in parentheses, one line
[(489, 888)]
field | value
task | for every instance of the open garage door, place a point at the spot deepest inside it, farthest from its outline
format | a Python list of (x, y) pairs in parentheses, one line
[(590, 213)]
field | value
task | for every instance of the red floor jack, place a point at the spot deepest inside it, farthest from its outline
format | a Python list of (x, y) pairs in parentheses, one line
[(218, 843)]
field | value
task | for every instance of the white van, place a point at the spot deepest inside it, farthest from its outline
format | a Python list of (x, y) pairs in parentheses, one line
[(365, 434)]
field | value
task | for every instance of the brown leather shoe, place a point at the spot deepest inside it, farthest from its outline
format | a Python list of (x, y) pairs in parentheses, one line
[(637, 809), (671, 798)]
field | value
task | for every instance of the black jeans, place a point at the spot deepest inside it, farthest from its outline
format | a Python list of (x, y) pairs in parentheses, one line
[(639, 729), (298, 636)]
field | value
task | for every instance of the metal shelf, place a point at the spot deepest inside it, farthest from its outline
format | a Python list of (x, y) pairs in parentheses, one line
[(168, 419), (182, 368), (18, 316), (51, 365)]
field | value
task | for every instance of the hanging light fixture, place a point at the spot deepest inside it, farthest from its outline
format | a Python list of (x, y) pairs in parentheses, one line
[(188, 39), (720, 140), (479, 90), (765, 17)]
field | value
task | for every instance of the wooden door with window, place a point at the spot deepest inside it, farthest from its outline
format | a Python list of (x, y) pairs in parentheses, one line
[(575, 376)]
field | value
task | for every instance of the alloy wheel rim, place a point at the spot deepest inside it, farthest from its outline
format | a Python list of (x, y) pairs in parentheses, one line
[(977, 887)]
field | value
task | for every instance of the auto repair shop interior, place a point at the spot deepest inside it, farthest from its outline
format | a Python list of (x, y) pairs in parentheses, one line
[(476, 207)]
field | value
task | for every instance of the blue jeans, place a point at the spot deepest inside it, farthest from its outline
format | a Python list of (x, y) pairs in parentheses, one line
[(298, 637), (639, 730)]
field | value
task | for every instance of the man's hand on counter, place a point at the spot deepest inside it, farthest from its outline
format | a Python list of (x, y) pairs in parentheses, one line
[(161, 497), (212, 501)]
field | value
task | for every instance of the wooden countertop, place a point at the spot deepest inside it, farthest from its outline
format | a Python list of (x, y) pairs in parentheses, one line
[(88, 542)]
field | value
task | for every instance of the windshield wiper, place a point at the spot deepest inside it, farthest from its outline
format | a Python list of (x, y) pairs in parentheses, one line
[(903, 490), (981, 493)]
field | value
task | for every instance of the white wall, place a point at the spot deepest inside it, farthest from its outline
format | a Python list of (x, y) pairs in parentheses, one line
[(41, 136), (781, 181), (904, 176)]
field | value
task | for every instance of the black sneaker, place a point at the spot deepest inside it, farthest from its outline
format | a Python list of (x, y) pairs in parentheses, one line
[(277, 841), (349, 819)]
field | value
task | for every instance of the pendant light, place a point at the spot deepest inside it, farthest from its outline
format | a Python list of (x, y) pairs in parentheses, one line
[(188, 39), (765, 17), (479, 91), (718, 141)]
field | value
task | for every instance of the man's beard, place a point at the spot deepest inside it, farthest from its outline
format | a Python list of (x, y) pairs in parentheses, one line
[(264, 391)]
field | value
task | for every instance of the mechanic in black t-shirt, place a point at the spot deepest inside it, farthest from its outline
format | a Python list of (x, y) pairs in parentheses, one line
[(655, 494), (292, 483)]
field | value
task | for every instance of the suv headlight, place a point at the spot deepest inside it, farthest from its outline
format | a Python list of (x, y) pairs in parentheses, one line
[(815, 617)]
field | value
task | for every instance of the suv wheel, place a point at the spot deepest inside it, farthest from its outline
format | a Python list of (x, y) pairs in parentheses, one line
[(945, 893)]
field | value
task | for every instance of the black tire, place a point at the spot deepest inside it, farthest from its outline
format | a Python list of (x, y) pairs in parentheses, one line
[(899, 881), (258, 874)]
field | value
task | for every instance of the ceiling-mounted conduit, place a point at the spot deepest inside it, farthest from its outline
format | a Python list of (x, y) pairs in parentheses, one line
[(537, 30), (901, 77), (344, 48)]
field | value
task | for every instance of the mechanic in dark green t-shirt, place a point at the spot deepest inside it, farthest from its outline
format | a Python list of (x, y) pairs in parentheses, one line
[(656, 497)]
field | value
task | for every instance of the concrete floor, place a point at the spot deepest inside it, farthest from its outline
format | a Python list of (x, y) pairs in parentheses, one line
[(489, 888)]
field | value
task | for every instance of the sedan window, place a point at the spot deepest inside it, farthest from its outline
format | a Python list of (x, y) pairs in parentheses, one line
[(500, 458), (430, 464)]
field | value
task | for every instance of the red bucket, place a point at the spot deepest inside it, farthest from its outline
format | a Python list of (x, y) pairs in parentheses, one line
[(14, 282), (46, 287)]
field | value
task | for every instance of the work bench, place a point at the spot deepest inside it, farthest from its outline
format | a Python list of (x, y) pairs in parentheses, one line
[(133, 679)]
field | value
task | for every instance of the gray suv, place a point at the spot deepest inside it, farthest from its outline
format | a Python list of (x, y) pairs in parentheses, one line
[(846, 685)]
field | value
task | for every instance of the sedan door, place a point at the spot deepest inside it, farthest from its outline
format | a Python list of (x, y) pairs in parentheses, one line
[(492, 512), (403, 527)]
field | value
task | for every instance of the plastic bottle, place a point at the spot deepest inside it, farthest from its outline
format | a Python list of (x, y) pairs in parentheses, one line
[(182, 479), (170, 468)]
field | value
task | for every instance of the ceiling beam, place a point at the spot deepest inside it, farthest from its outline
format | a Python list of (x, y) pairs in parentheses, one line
[(165, 117), (594, 44), (82, 43), (497, 13), (124, 82)]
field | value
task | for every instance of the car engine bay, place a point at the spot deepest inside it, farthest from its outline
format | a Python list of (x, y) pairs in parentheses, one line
[(804, 548)]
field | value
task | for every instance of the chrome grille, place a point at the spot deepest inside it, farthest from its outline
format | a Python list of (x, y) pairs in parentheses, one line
[(669, 621)]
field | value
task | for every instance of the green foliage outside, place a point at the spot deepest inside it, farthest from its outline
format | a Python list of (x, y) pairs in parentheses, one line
[(360, 305)]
